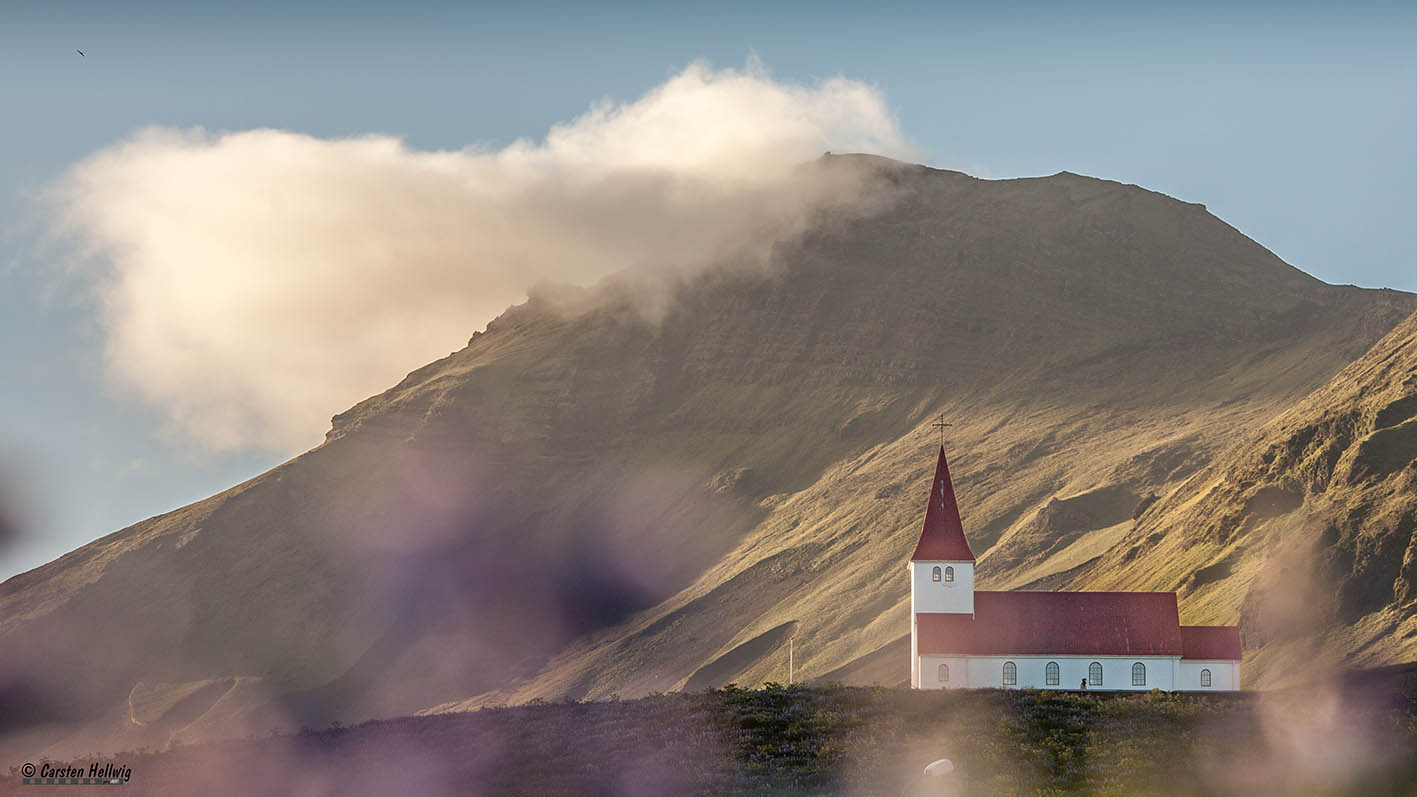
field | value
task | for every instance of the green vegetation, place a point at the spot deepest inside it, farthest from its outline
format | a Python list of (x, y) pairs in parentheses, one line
[(833, 739)]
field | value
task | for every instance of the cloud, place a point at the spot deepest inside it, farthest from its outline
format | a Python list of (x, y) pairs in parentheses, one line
[(251, 284)]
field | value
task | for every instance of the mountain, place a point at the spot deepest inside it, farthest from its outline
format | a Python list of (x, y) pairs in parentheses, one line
[(629, 489), (1306, 530)]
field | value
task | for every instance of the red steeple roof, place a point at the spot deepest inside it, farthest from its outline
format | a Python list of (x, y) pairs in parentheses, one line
[(943, 535)]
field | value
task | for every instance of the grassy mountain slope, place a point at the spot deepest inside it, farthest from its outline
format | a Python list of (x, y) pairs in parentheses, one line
[(595, 498), (1306, 530)]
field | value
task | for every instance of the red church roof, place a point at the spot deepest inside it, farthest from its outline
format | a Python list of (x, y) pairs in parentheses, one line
[(1210, 642), (942, 538), (1057, 623)]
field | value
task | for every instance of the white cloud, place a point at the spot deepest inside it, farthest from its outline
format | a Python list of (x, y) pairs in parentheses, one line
[(254, 283)]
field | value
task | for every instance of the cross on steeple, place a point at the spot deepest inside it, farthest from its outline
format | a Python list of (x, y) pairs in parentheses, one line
[(940, 424)]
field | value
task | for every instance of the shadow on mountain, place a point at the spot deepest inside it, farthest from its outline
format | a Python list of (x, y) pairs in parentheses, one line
[(722, 670), (888, 665)]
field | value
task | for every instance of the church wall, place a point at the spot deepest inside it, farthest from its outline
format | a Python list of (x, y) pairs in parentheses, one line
[(988, 671), (930, 672), (914, 652), (1224, 675), (929, 596)]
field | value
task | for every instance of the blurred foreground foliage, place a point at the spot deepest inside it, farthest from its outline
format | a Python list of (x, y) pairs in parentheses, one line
[(831, 739)]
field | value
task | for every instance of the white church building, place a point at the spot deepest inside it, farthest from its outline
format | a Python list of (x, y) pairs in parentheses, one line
[(961, 637)]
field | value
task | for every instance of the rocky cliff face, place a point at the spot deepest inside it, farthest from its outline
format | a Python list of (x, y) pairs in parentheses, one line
[(1305, 530), (595, 498)]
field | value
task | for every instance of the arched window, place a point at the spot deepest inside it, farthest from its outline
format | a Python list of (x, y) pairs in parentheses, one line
[(949, 575), (1050, 674), (1138, 674), (1010, 674), (1094, 674), (935, 574), (1205, 677), (944, 673)]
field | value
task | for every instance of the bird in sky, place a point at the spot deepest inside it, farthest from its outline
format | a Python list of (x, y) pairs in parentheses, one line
[(81, 52)]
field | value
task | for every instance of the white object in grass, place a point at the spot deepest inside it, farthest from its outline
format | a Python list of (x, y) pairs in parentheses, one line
[(942, 767)]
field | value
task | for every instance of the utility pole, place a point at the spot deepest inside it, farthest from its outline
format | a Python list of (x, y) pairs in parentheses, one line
[(790, 641)]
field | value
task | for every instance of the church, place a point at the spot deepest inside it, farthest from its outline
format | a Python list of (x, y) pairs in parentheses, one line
[(961, 637)]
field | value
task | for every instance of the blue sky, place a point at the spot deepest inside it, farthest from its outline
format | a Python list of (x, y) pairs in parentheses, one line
[(1293, 122)]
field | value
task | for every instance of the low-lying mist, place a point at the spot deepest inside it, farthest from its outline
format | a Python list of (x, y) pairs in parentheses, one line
[(252, 283)]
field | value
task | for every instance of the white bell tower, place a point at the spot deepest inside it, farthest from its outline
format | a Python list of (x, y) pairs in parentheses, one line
[(942, 567), (942, 586)]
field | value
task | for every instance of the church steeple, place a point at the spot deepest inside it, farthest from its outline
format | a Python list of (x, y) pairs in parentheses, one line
[(942, 538)]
